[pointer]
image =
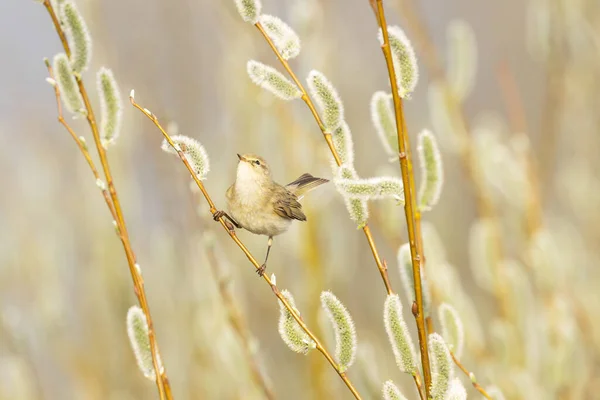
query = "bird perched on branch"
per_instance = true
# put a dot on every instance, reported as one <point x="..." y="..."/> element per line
<point x="262" y="206"/>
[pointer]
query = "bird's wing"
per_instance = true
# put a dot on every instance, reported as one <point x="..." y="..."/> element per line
<point x="304" y="184"/>
<point x="286" y="204"/>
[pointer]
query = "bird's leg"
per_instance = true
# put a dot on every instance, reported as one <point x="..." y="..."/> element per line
<point x="261" y="270"/>
<point x="219" y="214"/>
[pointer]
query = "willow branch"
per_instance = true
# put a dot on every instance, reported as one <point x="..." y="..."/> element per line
<point x="239" y="325"/>
<point x="485" y="207"/>
<point x="230" y="230"/>
<point x="162" y="381"/>
<point x="306" y="98"/>
<point x="419" y="384"/>
<point x="80" y="144"/>
<point x="470" y="375"/>
<point x="411" y="210"/>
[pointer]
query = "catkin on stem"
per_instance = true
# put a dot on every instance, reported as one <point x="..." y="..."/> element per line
<point x="404" y="60"/>
<point x="372" y="188"/>
<point x="345" y="333"/>
<point x="357" y="208"/>
<point x="78" y="36"/>
<point x="272" y="81"/>
<point x="452" y="328"/>
<point x="137" y="330"/>
<point x="328" y="99"/>
<point x="285" y="39"/>
<point x="391" y="391"/>
<point x="456" y="391"/>
<point x="290" y="331"/>
<point x="69" y="91"/>
<point x="382" y="115"/>
<point x="441" y="367"/>
<point x="343" y="144"/>
<point x="432" y="171"/>
<point x="110" y="105"/>
<point x="397" y="331"/>
<point x="194" y="153"/>
<point x="249" y="10"/>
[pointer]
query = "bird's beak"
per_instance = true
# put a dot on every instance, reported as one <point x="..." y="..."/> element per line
<point x="242" y="158"/>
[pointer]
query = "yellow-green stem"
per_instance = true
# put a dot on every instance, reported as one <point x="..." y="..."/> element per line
<point x="306" y="98"/>
<point x="410" y="207"/>
<point x="255" y="263"/>
<point x="162" y="381"/>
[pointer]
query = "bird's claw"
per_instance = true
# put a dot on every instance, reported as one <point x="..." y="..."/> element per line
<point x="218" y="214"/>
<point x="261" y="270"/>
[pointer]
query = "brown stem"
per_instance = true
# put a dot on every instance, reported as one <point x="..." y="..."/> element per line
<point x="80" y="144"/>
<point x="419" y="384"/>
<point x="249" y="255"/>
<point x="239" y="325"/>
<point x="306" y="98"/>
<point x="470" y="376"/>
<point x="410" y="207"/>
<point x="162" y="381"/>
<point x="485" y="207"/>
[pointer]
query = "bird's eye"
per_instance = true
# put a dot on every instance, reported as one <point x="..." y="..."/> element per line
<point x="256" y="162"/>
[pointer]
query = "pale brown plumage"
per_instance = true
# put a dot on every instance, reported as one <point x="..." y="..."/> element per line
<point x="262" y="206"/>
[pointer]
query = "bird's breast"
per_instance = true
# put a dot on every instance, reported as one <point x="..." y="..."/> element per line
<point x="255" y="213"/>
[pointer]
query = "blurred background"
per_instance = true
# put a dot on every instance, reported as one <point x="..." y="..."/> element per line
<point x="513" y="243"/>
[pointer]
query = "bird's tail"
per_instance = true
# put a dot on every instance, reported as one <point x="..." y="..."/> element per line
<point x="304" y="184"/>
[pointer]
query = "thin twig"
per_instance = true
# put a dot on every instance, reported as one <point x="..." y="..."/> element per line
<point x="80" y="144"/>
<point x="229" y="229"/>
<point x="306" y="98"/>
<point x="410" y="207"/>
<point x="162" y="381"/>
<point x="419" y="384"/>
<point x="238" y="323"/>
<point x="470" y="376"/>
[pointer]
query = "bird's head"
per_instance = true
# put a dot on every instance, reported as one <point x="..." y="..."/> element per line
<point x="253" y="168"/>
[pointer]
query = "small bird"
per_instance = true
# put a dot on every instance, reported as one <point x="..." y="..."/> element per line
<point x="262" y="206"/>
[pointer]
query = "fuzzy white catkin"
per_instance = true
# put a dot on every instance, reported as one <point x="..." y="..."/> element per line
<point x="397" y="331"/>
<point x="441" y="367"/>
<point x="67" y="86"/>
<point x="249" y="10"/>
<point x="345" y="333"/>
<point x="283" y="36"/>
<point x="432" y="170"/>
<point x="462" y="58"/>
<point x="78" y="36"/>
<point x="404" y="60"/>
<point x="357" y="208"/>
<point x="111" y="106"/>
<point x="452" y="328"/>
<point x="290" y="331"/>
<point x="272" y="81"/>
<point x="495" y="393"/>
<point x="456" y="391"/>
<point x="327" y="99"/>
<point x="384" y="120"/>
<point x="194" y="153"/>
<point x="343" y="144"/>
<point x="372" y="188"/>
<point x="391" y="391"/>
<point x="137" y="330"/>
